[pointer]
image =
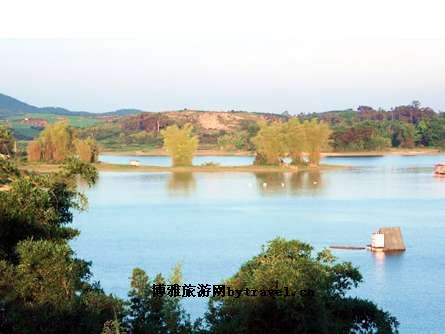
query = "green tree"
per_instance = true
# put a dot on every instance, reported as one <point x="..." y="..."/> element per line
<point x="150" y="313"/>
<point x="292" y="264"/>
<point x="180" y="144"/>
<point x="403" y="134"/>
<point x="317" y="138"/>
<point x="43" y="287"/>
<point x="233" y="141"/>
<point x="295" y="136"/>
<point x="56" y="142"/>
<point x="7" y="142"/>
<point x="269" y="143"/>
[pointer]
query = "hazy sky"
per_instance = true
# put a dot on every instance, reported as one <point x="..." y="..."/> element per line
<point x="244" y="55"/>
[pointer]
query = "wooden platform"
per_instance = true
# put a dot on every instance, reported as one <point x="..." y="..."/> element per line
<point x="393" y="239"/>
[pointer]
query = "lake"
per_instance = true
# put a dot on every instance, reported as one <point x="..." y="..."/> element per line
<point x="213" y="222"/>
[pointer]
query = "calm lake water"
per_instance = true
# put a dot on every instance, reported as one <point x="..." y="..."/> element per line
<point x="212" y="222"/>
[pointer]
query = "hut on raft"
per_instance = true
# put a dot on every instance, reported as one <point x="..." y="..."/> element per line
<point x="387" y="239"/>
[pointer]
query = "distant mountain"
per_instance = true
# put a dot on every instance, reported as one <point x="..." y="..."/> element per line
<point x="10" y="106"/>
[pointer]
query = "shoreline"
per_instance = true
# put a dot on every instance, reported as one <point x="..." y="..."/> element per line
<point x="106" y="167"/>
<point x="402" y="152"/>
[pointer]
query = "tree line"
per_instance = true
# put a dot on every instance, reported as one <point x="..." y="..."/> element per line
<point x="273" y="142"/>
<point x="58" y="141"/>
<point x="405" y="126"/>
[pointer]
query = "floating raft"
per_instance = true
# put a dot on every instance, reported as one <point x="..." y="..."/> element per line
<point x="387" y="239"/>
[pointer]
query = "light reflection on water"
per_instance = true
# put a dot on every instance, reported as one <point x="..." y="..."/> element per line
<point x="213" y="222"/>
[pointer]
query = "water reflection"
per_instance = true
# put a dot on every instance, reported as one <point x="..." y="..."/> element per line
<point x="385" y="264"/>
<point x="181" y="183"/>
<point x="271" y="182"/>
<point x="289" y="183"/>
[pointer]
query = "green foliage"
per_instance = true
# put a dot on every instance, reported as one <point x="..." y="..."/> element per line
<point x="234" y="141"/>
<point x="317" y="139"/>
<point x="39" y="206"/>
<point x="402" y="134"/>
<point x="43" y="287"/>
<point x="73" y="167"/>
<point x="292" y="264"/>
<point x="8" y="171"/>
<point x="56" y="142"/>
<point x="362" y="136"/>
<point x="59" y="141"/>
<point x="7" y="142"/>
<point x="180" y="144"/>
<point x="155" y="314"/>
<point x="113" y="327"/>
<point x="276" y="140"/>
<point x="295" y="137"/>
<point x="269" y="143"/>
<point x="47" y="273"/>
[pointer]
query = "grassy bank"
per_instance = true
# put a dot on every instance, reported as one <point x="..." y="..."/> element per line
<point x="105" y="167"/>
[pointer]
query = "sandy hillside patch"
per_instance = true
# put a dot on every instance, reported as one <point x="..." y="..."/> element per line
<point x="212" y="121"/>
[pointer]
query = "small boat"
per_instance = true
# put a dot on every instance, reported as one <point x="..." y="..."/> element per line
<point x="134" y="162"/>
<point x="439" y="169"/>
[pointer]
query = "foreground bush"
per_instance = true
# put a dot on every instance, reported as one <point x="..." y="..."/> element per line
<point x="292" y="264"/>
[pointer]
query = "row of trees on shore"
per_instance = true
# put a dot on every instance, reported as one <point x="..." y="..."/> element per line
<point x="273" y="142"/>
<point x="59" y="141"/>
<point x="364" y="129"/>
<point x="277" y="140"/>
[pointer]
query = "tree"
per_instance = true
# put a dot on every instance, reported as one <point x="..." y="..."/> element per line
<point x="292" y="264"/>
<point x="317" y="138"/>
<point x="43" y="287"/>
<point x="34" y="151"/>
<point x="152" y="313"/>
<point x="87" y="149"/>
<point x="56" y="142"/>
<point x="180" y="144"/>
<point x="403" y="134"/>
<point x="269" y="143"/>
<point x="295" y="137"/>
<point x="234" y="141"/>
<point x="7" y="143"/>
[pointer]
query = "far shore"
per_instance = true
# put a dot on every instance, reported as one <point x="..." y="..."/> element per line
<point x="398" y="151"/>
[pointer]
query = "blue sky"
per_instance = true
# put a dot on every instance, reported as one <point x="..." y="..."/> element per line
<point x="256" y="56"/>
